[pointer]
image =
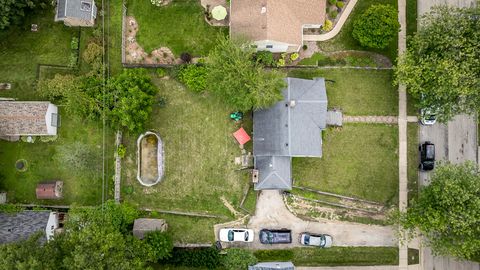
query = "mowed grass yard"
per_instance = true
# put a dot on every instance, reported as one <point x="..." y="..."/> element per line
<point x="82" y="185"/>
<point x="199" y="155"/>
<point x="22" y="50"/>
<point x="179" y="26"/>
<point x="357" y="92"/>
<point x="359" y="160"/>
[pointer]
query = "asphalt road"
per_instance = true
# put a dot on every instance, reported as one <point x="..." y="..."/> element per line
<point x="456" y="142"/>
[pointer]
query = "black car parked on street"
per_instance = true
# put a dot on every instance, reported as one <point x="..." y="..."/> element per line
<point x="427" y="156"/>
<point x="282" y="236"/>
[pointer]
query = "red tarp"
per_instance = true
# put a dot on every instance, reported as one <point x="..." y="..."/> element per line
<point x="241" y="136"/>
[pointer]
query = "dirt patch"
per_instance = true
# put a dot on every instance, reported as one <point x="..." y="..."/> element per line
<point x="314" y="211"/>
<point x="135" y="54"/>
<point x="230" y="206"/>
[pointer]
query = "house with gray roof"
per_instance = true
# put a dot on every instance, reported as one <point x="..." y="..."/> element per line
<point x="291" y="128"/>
<point x="20" y="226"/>
<point x="76" y="12"/>
<point x="28" y="118"/>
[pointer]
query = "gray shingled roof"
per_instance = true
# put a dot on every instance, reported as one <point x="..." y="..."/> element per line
<point x="81" y="9"/>
<point x="19" y="226"/>
<point x="272" y="266"/>
<point x="285" y="130"/>
<point x="291" y="128"/>
<point x="274" y="172"/>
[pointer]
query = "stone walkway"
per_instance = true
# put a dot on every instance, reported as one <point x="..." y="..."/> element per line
<point x="376" y="119"/>
<point x="336" y="29"/>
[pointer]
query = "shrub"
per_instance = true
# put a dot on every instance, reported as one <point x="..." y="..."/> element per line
<point x="72" y="62"/>
<point x="281" y="62"/>
<point x="195" y="257"/>
<point x="304" y="47"/>
<point x="333" y="14"/>
<point x="161" y="245"/>
<point x="332" y="2"/>
<point x="294" y="56"/>
<point x="74" y="43"/>
<point x="265" y="58"/>
<point x="327" y="26"/>
<point x="48" y="138"/>
<point x="57" y="87"/>
<point x="377" y="27"/>
<point x="340" y="4"/>
<point x="156" y="2"/>
<point x="160" y="72"/>
<point x="186" y="57"/>
<point x="194" y="77"/>
<point x="121" y="151"/>
<point x="92" y="53"/>
<point x="238" y="259"/>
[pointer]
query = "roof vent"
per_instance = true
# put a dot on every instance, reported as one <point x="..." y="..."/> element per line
<point x="85" y="6"/>
<point x="292" y="103"/>
<point x="263" y="10"/>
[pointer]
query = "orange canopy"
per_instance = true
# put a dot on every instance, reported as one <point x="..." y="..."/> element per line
<point x="241" y="136"/>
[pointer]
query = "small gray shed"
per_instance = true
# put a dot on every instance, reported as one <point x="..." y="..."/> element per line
<point x="142" y="226"/>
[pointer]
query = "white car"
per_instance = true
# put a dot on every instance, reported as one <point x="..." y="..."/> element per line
<point x="236" y="235"/>
<point x="317" y="240"/>
<point x="427" y="117"/>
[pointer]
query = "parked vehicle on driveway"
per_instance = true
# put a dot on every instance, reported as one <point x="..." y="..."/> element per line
<point x="427" y="156"/>
<point x="236" y="235"/>
<point x="282" y="236"/>
<point x="427" y="117"/>
<point x="316" y="240"/>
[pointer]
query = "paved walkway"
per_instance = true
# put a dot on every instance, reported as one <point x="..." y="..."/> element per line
<point x="338" y="26"/>
<point x="272" y="213"/>
<point x="376" y="119"/>
<point x="402" y="132"/>
<point x="378" y="267"/>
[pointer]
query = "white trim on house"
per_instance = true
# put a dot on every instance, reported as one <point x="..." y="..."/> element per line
<point x="52" y="109"/>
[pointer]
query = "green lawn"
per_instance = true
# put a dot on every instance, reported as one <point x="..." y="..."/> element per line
<point x="359" y="160"/>
<point x="345" y="41"/>
<point x="22" y="50"/>
<point x="357" y="92"/>
<point x="413" y="159"/>
<point x="184" y="229"/>
<point x="335" y="256"/>
<point x="199" y="154"/>
<point x="81" y="186"/>
<point x="114" y="34"/>
<point x="179" y="26"/>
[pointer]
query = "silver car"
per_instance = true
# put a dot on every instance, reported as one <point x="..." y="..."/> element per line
<point x="316" y="240"/>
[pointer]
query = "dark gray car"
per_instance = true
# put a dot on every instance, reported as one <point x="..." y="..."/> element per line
<point x="275" y="236"/>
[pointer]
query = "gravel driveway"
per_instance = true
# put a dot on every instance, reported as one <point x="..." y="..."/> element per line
<point x="272" y="213"/>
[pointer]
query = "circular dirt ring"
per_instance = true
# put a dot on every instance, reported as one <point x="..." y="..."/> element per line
<point x="21" y="165"/>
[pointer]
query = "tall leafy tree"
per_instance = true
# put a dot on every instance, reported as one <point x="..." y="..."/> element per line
<point x="13" y="11"/>
<point x="377" y="27"/>
<point x="133" y="94"/>
<point x="447" y="211"/>
<point x="233" y="76"/>
<point x="441" y="66"/>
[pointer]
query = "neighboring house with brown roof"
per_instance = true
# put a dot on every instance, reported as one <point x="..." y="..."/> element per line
<point x="49" y="190"/>
<point x="275" y="25"/>
<point x="28" y="118"/>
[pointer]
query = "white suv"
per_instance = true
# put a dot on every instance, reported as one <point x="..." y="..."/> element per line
<point x="236" y="235"/>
